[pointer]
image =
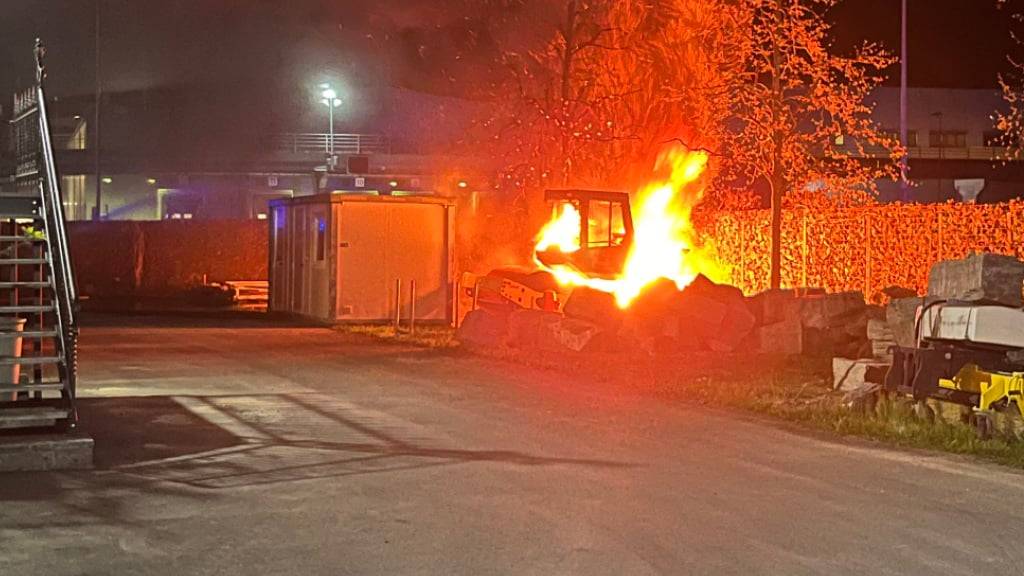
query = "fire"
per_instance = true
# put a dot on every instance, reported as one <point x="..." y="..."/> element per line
<point x="664" y="240"/>
<point x="562" y="233"/>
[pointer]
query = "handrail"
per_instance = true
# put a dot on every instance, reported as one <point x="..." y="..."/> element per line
<point x="990" y="153"/>
<point x="56" y="235"/>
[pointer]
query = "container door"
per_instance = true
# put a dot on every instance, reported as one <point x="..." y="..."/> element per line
<point x="417" y="251"/>
<point x="298" y="263"/>
<point x="365" y="284"/>
<point x="279" y="259"/>
<point x="319" y="257"/>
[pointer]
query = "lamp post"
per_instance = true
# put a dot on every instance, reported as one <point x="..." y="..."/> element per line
<point x="942" y="146"/>
<point x="329" y="98"/>
<point x="904" y="160"/>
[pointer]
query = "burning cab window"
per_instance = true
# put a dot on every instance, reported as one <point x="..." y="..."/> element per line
<point x="605" y="224"/>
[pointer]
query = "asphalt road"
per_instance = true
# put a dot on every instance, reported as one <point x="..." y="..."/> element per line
<point x="252" y="450"/>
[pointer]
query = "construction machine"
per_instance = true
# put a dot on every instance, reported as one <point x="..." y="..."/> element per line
<point x="969" y="354"/>
<point x="603" y="237"/>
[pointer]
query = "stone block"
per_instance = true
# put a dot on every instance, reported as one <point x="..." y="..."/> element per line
<point x="831" y="309"/>
<point x="736" y="322"/>
<point x="990" y="278"/>
<point x="786" y="337"/>
<point x="549" y="331"/>
<point x="901" y="315"/>
<point x="484" y="328"/>
<point x="849" y="374"/>
<point x="879" y="330"/>
<point x="593" y="306"/>
<point x="773" y="306"/>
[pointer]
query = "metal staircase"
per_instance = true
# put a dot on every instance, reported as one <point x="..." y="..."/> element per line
<point x="38" y="332"/>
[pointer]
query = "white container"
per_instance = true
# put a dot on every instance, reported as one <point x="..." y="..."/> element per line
<point x="10" y="347"/>
<point x="981" y="324"/>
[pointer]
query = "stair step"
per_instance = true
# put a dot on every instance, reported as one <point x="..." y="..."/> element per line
<point x="25" y="284"/>
<point x="32" y="387"/>
<point x="26" y="308"/>
<point x="27" y="334"/>
<point x="23" y="260"/>
<point x="21" y="239"/>
<point x="11" y="417"/>
<point x="30" y="360"/>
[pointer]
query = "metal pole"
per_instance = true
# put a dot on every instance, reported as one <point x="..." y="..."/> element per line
<point x="904" y="161"/>
<point x="398" y="303"/>
<point x="330" y="131"/>
<point x="96" y="118"/>
<point x="412" y="307"/>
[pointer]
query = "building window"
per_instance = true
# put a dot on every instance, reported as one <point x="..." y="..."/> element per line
<point x="947" y="139"/>
<point x="840" y="140"/>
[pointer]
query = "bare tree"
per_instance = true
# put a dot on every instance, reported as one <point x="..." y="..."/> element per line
<point x="801" y="115"/>
<point x="1010" y="122"/>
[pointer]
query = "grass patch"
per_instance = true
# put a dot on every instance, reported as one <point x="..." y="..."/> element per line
<point x="426" y="336"/>
<point x="801" y="394"/>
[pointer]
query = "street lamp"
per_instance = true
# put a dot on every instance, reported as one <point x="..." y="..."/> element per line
<point x="329" y="98"/>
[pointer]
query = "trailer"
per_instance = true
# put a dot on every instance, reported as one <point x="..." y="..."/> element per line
<point x="361" y="258"/>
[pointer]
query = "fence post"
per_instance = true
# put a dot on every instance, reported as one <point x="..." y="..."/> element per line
<point x="803" y="219"/>
<point x="743" y="251"/>
<point x="941" y="234"/>
<point x="412" y="306"/>
<point x="867" y="255"/>
<point x="398" y="303"/>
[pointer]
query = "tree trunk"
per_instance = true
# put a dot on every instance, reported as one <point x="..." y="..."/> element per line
<point x="778" y="184"/>
<point x="778" y="179"/>
<point x="569" y="34"/>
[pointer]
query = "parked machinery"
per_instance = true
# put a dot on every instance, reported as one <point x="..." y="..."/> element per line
<point x="968" y="354"/>
<point x="604" y="235"/>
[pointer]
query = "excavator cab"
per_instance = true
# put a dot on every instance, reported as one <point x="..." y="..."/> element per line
<point x="605" y="231"/>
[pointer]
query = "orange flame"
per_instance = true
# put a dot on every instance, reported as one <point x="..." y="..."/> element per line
<point x="562" y="232"/>
<point x="664" y="240"/>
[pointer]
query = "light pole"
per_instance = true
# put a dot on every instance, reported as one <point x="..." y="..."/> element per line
<point x="329" y="98"/>
<point x="96" y="118"/>
<point x="904" y="161"/>
<point x="942" y="146"/>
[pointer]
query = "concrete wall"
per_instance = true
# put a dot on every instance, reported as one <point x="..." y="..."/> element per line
<point x="164" y="259"/>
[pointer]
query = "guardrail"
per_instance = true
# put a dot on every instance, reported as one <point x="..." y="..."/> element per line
<point x="990" y="153"/>
<point x="311" y="143"/>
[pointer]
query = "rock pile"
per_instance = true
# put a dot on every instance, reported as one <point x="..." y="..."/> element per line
<point x="704" y="316"/>
<point x="980" y="278"/>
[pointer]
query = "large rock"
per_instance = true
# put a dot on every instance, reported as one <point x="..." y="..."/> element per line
<point x="549" y="331"/>
<point x="593" y="306"/>
<point x="881" y="338"/>
<point x="901" y="315"/>
<point x="850" y="374"/>
<point x="736" y="323"/>
<point x="786" y="337"/>
<point x="778" y="305"/>
<point x="831" y="310"/>
<point x="484" y="328"/>
<point x="991" y="278"/>
<point x="698" y="319"/>
<point x="654" y="312"/>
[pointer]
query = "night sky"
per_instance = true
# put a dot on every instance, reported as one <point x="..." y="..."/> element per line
<point x="151" y="43"/>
